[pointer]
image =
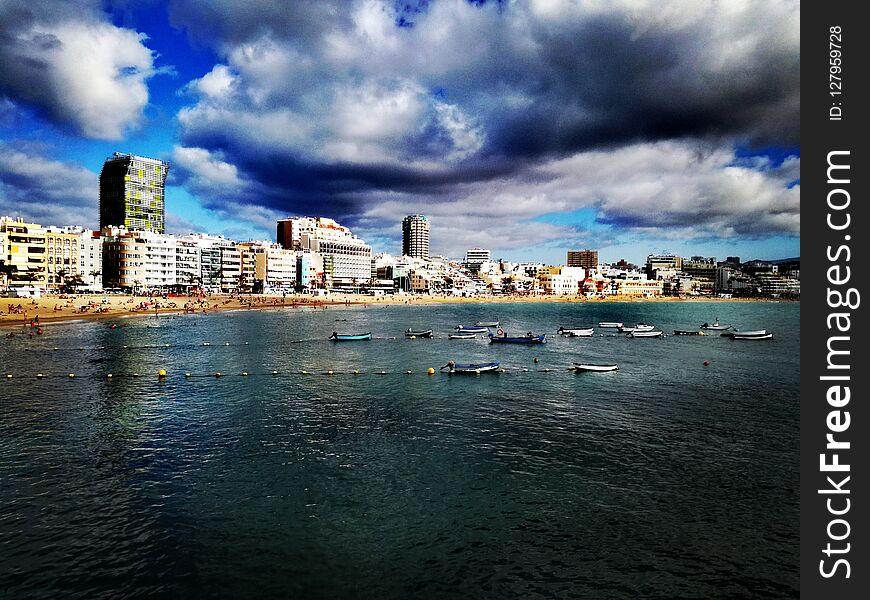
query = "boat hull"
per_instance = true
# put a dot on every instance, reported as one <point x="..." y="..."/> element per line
<point x="486" y="324"/>
<point x="645" y="334"/>
<point x="419" y="334"/>
<point x="607" y="325"/>
<point x="345" y="337"/>
<point x="472" y="329"/>
<point x="576" y="332"/>
<point x="593" y="368"/>
<point x="473" y="369"/>
<point x="462" y="336"/>
<point x="540" y="339"/>
<point x="761" y="336"/>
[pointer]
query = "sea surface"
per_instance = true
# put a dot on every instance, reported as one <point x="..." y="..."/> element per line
<point x="670" y="478"/>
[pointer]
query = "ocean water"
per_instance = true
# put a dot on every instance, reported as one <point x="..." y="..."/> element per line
<point x="666" y="479"/>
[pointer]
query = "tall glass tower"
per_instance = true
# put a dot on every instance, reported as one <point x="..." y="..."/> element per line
<point x="415" y="236"/>
<point x="132" y="192"/>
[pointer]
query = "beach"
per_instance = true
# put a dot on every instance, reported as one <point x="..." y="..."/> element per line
<point x="65" y="307"/>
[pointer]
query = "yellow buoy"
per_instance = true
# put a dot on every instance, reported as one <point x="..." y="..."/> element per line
<point x="355" y="372"/>
<point x="72" y="375"/>
<point x="430" y="371"/>
<point x="109" y="375"/>
<point x="9" y="376"/>
<point x="161" y="373"/>
<point x="304" y="372"/>
<point x="329" y="372"/>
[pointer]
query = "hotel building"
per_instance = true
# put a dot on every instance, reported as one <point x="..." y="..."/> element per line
<point x="132" y="192"/>
<point x="415" y="236"/>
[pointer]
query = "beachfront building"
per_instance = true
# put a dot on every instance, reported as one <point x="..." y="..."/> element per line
<point x="188" y="263"/>
<point x="347" y="260"/>
<point x="132" y="192"/>
<point x="139" y="260"/>
<point x="639" y="288"/>
<point x="475" y="257"/>
<point x="588" y="259"/>
<point x="74" y="258"/>
<point x="24" y="257"/>
<point x="561" y="280"/>
<point x="415" y="236"/>
<point x="662" y="266"/>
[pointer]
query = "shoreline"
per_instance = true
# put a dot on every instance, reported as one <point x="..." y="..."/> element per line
<point x="55" y="309"/>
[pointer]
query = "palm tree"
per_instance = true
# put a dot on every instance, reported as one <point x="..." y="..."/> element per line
<point x="94" y="274"/>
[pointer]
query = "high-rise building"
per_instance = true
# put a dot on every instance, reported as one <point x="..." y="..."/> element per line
<point x="588" y="259"/>
<point x="132" y="192"/>
<point x="415" y="236"/>
<point x="347" y="260"/>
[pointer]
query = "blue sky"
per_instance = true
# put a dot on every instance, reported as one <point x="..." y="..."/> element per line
<point x="530" y="128"/>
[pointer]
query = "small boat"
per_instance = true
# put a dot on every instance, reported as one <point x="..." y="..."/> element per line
<point x="761" y="334"/>
<point x="638" y="327"/>
<point x="421" y="334"/>
<point x="715" y="326"/>
<point x="526" y="339"/>
<point x="589" y="367"/>
<point x="688" y="332"/>
<point x="486" y="324"/>
<point x="576" y="332"/>
<point x="475" y="369"/>
<point x="610" y="325"/>
<point x="645" y="334"/>
<point x="462" y="336"/>
<point x="462" y="329"/>
<point x="350" y="337"/>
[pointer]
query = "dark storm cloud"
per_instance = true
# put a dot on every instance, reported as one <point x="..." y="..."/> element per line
<point x="346" y="106"/>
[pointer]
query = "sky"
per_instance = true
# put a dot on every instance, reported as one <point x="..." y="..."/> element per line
<point x="526" y="127"/>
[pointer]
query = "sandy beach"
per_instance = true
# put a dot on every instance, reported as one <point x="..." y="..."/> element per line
<point x="64" y="307"/>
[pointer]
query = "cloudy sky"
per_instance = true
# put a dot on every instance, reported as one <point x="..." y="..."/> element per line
<point x="528" y="127"/>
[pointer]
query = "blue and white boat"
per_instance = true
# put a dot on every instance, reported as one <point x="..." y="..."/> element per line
<point x="350" y="337"/>
<point x="474" y="369"/>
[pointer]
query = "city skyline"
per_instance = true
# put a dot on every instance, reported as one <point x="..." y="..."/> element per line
<point x="518" y="135"/>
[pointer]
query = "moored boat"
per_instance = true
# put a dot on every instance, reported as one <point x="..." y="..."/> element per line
<point x="760" y="334"/>
<point x="474" y="369"/>
<point x="591" y="367"/>
<point x="572" y="332"/>
<point x="610" y="325"/>
<point x="462" y="329"/>
<point x="349" y="337"/>
<point x="421" y="334"/>
<point x="645" y="334"/>
<point x="715" y="326"/>
<point x="462" y="336"/>
<point x="486" y="324"/>
<point x="526" y="339"/>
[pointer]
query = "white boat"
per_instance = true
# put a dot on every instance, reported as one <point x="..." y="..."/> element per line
<point x="644" y="327"/>
<point x="610" y="325"/>
<point x="486" y="324"/>
<point x="462" y="336"/>
<point x="589" y="367"/>
<point x="645" y="334"/>
<point x="462" y="329"/>
<point x="576" y="332"/>
<point x="715" y="326"/>
<point x="475" y="369"/>
<point x="761" y="334"/>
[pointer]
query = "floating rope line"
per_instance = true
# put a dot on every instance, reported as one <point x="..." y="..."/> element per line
<point x="163" y="374"/>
